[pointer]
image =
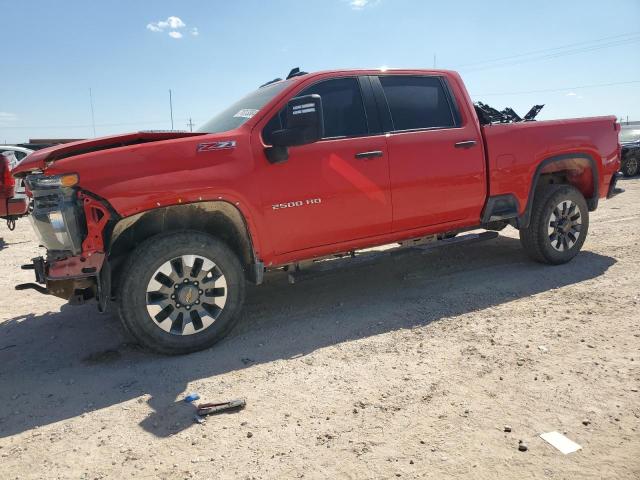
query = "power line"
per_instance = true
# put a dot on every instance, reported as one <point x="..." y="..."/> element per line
<point x="559" y="89"/>
<point x="171" y="108"/>
<point x="93" y="119"/>
<point x="553" y="55"/>
<point x="535" y="52"/>
<point x="122" y="124"/>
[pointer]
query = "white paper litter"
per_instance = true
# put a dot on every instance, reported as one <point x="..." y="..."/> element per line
<point x="561" y="442"/>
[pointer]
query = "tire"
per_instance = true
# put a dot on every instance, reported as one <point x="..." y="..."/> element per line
<point x="181" y="292"/>
<point x="631" y="167"/>
<point x="559" y="225"/>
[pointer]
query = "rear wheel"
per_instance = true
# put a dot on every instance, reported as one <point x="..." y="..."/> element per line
<point x="559" y="225"/>
<point x="181" y="292"/>
<point x="631" y="167"/>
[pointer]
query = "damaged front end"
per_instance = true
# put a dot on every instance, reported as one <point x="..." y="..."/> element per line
<point x="71" y="224"/>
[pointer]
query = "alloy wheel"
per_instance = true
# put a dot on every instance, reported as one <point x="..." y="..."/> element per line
<point x="186" y="294"/>
<point x="564" y="225"/>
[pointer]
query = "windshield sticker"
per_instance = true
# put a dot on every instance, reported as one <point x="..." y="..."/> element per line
<point x="246" y="113"/>
<point x="224" y="145"/>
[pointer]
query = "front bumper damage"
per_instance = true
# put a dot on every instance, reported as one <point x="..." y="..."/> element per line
<point x="71" y="224"/>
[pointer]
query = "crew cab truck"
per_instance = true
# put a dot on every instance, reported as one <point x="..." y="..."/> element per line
<point x="172" y="225"/>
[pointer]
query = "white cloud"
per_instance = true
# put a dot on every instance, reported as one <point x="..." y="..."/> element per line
<point x="173" y="24"/>
<point x="360" y="4"/>
<point x="6" y="117"/>
<point x="572" y="94"/>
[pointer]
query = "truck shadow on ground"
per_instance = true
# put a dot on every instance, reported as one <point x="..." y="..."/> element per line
<point x="4" y="244"/>
<point x="75" y="361"/>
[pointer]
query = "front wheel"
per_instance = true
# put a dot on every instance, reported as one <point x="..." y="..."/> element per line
<point x="181" y="292"/>
<point x="559" y="225"/>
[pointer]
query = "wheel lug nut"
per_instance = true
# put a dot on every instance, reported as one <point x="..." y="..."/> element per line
<point x="197" y="302"/>
<point x="185" y="281"/>
<point x="173" y="297"/>
<point x="195" y="283"/>
<point x="178" y="305"/>
<point x="188" y="307"/>
<point x="200" y="292"/>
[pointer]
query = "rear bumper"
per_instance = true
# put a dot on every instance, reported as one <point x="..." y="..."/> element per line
<point x="613" y="189"/>
<point x="13" y="207"/>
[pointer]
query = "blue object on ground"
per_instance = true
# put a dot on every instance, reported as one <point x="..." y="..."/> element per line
<point x="192" y="397"/>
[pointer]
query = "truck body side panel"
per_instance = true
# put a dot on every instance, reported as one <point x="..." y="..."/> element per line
<point x="516" y="150"/>
<point x="173" y="173"/>
<point x="140" y="172"/>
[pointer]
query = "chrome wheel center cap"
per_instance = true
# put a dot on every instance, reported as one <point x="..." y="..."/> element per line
<point x="188" y="294"/>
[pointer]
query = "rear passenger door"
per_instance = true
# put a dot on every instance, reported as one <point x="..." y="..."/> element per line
<point x="436" y="161"/>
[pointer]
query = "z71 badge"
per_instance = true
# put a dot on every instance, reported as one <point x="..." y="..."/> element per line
<point x="222" y="145"/>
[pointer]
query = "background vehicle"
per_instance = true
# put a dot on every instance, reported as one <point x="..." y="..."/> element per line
<point x="12" y="203"/>
<point x="171" y="224"/>
<point x="630" y="160"/>
<point x="19" y="152"/>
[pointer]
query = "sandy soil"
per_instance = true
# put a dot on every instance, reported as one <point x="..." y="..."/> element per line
<point x="409" y="367"/>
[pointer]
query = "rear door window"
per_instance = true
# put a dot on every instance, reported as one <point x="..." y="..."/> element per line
<point x="417" y="102"/>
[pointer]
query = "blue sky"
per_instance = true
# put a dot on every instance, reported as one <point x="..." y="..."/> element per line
<point x="52" y="52"/>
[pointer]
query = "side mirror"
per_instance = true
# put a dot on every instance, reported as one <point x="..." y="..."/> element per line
<point x="305" y="125"/>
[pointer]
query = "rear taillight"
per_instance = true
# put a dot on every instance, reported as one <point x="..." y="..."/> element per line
<point x="7" y="178"/>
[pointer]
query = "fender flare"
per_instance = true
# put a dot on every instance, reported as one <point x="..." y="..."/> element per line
<point x="170" y="219"/>
<point x="592" y="203"/>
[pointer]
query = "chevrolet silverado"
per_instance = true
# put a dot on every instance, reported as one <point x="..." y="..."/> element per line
<point x="171" y="225"/>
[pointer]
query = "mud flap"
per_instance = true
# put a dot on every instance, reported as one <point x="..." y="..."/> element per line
<point x="103" y="281"/>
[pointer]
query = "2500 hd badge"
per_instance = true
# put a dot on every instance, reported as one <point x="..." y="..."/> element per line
<point x="297" y="203"/>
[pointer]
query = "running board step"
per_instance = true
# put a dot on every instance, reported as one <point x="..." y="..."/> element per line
<point x="367" y="257"/>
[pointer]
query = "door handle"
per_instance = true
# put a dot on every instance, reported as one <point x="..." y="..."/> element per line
<point x="373" y="154"/>
<point x="465" y="144"/>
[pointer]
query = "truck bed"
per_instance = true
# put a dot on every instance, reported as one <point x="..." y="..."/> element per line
<point x="516" y="150"/>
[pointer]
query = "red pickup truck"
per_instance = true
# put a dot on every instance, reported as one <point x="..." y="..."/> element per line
<point x="171" y="225"/>
<point x="12" y="206"/>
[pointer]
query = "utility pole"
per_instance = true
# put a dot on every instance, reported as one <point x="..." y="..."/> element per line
<point x="93" y="120"/>
<point x="190" y="125"/>
<point x="171" y="108"/>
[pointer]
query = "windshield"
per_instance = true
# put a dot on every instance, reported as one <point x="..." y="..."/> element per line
<point x="629" y="134"/>
<point x="241" y="111"/>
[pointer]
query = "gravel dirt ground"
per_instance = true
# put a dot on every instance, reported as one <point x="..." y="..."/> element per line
<point x="409" y="367"/>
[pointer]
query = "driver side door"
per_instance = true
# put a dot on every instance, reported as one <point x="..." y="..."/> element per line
<point x="334" y="190"/>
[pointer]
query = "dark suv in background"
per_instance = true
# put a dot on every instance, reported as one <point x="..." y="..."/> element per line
<point x="630" y="158"/>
